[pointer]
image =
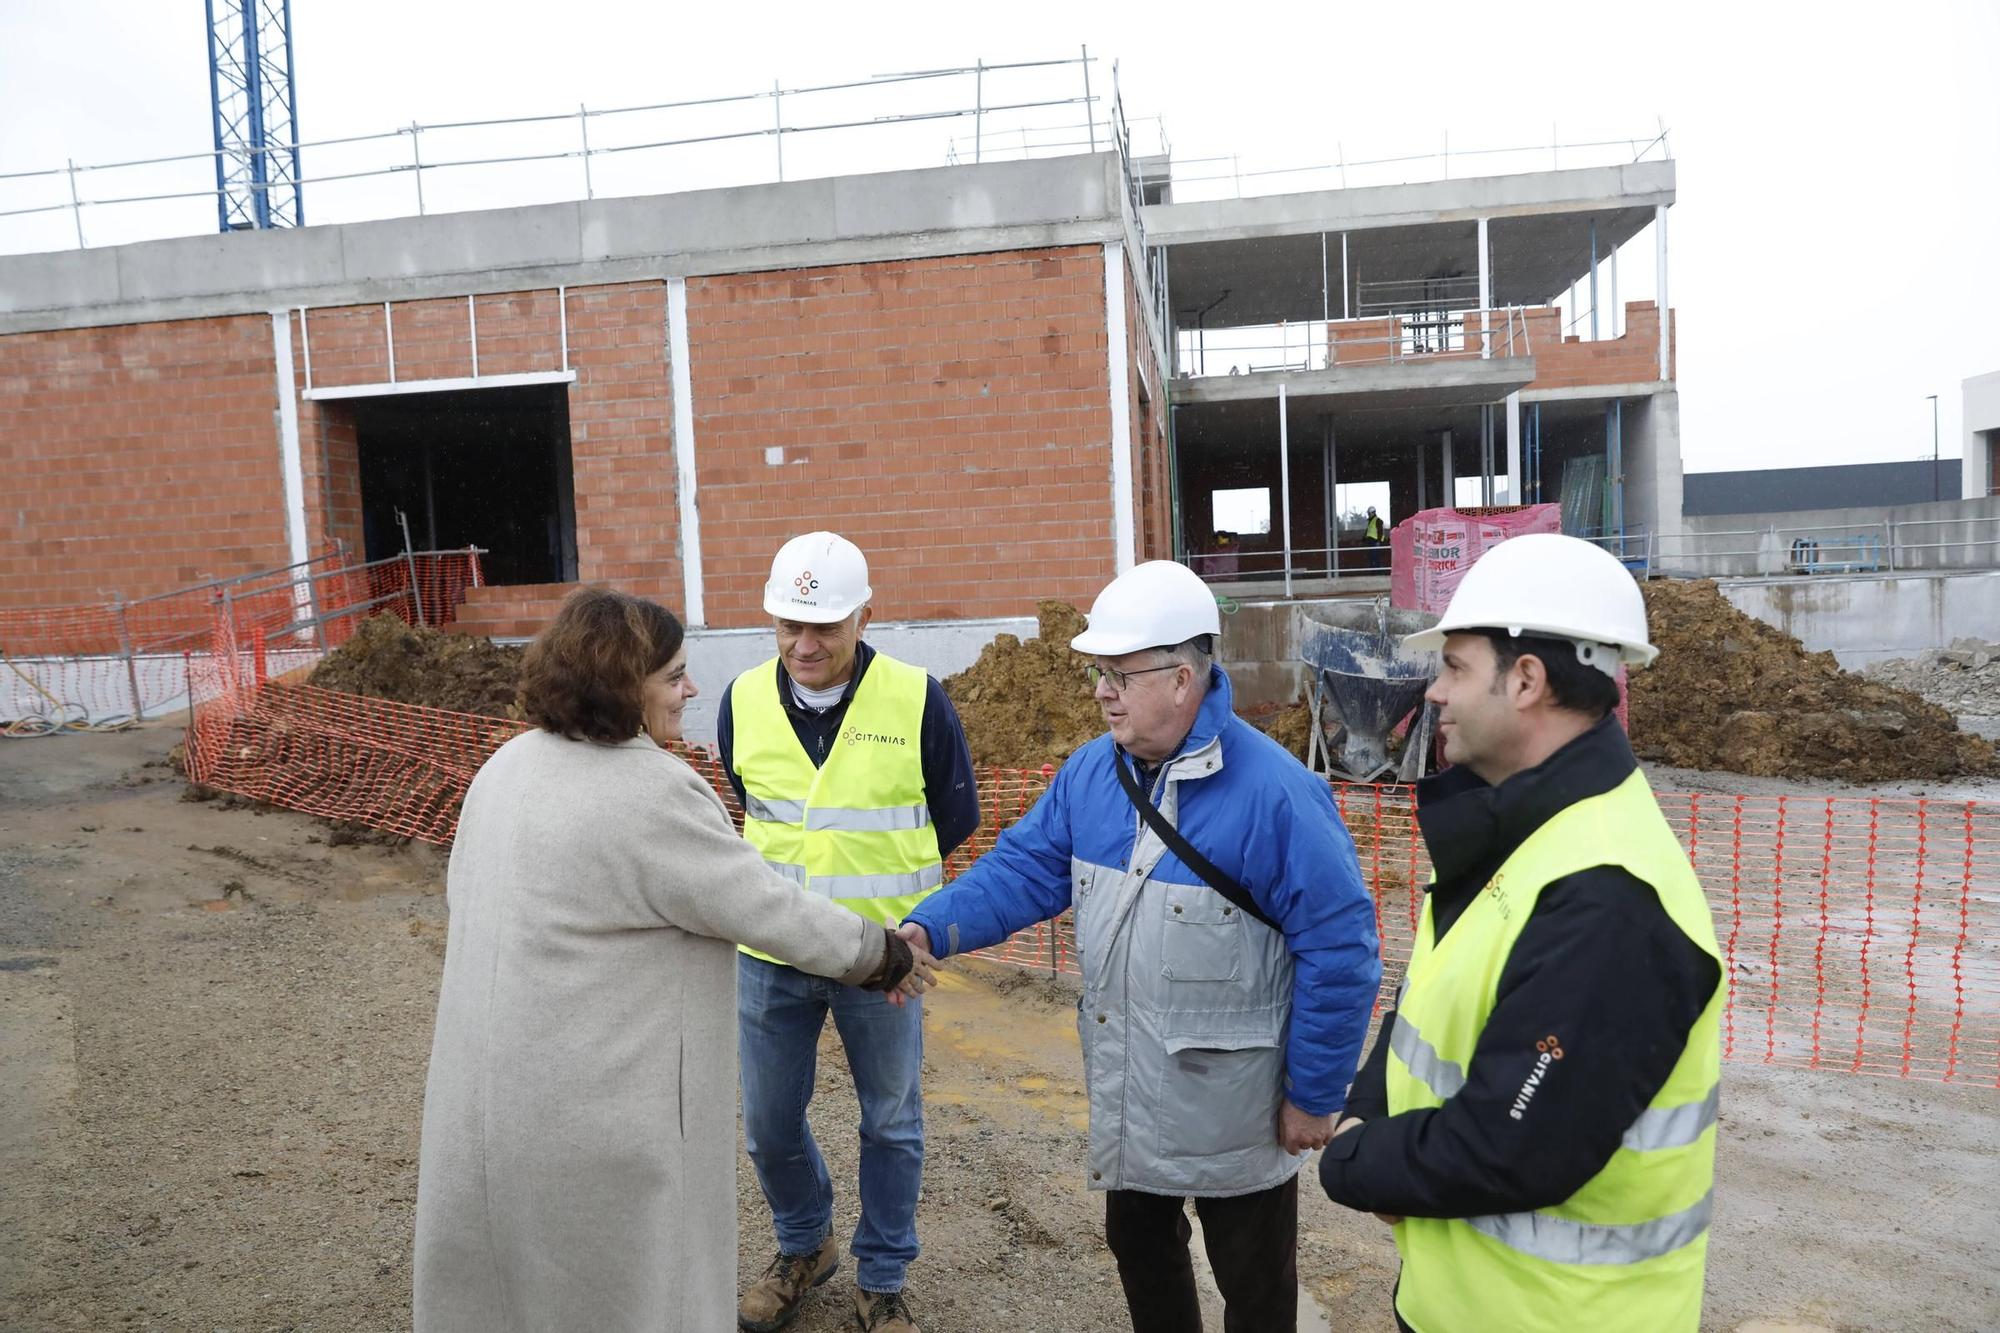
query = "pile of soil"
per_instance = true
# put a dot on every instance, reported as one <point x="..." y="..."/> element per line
<point x="1025" y="702"/>
<point x="1730" y="692"/>
<point x="390" y="659"/>
<point x="1290" y="725"/>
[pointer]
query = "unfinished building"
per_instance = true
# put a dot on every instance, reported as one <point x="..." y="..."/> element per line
<point x="1458" y="342"/>
<point x="973" y="370"/>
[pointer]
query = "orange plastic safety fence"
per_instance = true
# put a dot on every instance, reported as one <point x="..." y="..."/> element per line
<point x="88" y="667"/>
<point x="1859" y="934"/>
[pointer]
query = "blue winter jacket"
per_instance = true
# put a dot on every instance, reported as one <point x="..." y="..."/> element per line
<point x="1196" y="1020"/>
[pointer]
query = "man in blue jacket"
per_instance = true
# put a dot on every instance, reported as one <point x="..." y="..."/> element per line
<point x="1222" y="1011"/>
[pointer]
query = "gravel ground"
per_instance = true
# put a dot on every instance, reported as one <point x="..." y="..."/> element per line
<point x="213" y="1028"/>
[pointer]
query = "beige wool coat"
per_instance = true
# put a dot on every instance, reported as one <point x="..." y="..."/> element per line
<point x="578" y="1164"/>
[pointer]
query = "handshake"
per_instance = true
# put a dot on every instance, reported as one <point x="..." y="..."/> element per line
<point x="908" y="969"/>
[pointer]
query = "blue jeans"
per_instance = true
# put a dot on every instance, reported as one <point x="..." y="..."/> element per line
<point x="780" y="1012"/>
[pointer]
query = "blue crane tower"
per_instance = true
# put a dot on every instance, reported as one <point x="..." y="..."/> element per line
<point x="256" y="115"/>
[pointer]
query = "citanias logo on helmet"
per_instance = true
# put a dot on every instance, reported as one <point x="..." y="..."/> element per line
<point x="805" y="582"/>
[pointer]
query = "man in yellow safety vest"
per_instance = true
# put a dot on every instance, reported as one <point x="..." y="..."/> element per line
<point x="855" y="781"/>
<point x="1538" y="1117"/>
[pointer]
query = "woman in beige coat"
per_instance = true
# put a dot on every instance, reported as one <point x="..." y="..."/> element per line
<point x="578" y="1165"/>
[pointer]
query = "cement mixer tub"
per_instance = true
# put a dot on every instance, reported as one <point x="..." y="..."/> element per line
<point x="1365" y="682"/>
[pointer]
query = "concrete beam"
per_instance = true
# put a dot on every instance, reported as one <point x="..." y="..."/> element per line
<point x="1588" y="189"/>
<point x="1586" y="392"/>
<point x="1426" y="383"/>
<point x="935" y="211"/>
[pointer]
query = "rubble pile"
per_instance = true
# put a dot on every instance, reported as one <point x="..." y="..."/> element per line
<point x="1963" y="679"/>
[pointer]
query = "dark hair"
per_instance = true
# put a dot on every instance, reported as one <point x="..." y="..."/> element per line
<point x="583" y="676"/>
<point x="1572" y="684"/>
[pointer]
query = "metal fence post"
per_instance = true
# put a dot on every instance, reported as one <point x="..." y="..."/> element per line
<point x="583" y="128"/>
<point x="778" y="125"/>
<point x="225" y="640"/>
<point x="410" y="563"/>
<point x="75" y="205"/>
<point x="979" y="106"/>
<point x="417" y="158"/>
<point x="1089" y="107"/>
<point x="125" y="651"/>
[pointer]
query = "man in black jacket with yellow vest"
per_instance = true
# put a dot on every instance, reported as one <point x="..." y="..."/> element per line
<point x="1537" y="1119"/>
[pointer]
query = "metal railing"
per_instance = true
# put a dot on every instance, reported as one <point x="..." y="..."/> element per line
<point x="1224" y="176"/>
<point x="585" y="137"/>
<point x="1356" y="558"/>
<point x="1881" y="546"/>
<point x="1454" y="335"/>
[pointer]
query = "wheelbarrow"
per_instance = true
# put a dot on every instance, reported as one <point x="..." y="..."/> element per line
<point x="1364" y="684"/>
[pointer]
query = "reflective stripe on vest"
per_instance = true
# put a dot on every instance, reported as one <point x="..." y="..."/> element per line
<point x="1662" y="1127"/>
<point x="1561" y="1241"/>
<point x="1625" y="1253"/>
<point x="840" y="887"/>
<point x="1435" y="1072"/>
<point x="833" y="817"/>
<point x="855" y="828"/>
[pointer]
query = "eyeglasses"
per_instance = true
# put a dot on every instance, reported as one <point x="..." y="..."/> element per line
<point x="1120" y="680"/>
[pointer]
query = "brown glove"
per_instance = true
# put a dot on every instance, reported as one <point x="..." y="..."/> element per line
<point x="896" y="964"/>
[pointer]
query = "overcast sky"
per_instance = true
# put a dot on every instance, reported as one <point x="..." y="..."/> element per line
<point x="1835" y="247"/>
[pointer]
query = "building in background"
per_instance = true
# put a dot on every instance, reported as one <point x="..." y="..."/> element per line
<point x="1981" y="463"/>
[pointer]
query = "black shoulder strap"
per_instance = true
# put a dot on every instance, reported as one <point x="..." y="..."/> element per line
<point x="1180" y="847"/>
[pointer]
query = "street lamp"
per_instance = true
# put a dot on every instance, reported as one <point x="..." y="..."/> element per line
<point x="1934" y="445"/>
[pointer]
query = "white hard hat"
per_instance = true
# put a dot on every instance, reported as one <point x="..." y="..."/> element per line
<point x="1155" y="605"/>
<point x="1559" y="587"/>
<point x="820" y="578"/>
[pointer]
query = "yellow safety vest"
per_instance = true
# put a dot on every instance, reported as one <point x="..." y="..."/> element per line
<point x="856" y="829"/>
<point x="1625" y="1253"/>
<point x="1374" y="532"/>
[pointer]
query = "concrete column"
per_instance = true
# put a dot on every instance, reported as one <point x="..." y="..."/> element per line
<point x="681" y="381"/>
<point x="1617" y="311"/>
<point x="1450" y="496"/>
<point x="1332" y="523"/>
<point x="1485" y="293"/>
<point x="291" y="461"/>
<point x="1124" y="530"/>
<point x="1660" y="286"/>
<point x="1285" y="483"/>
<point x="1593" y="279"/>
<point x="1516" y="493"/>
<point x="1346" y="286"/>
<point x="1486" y="453"/>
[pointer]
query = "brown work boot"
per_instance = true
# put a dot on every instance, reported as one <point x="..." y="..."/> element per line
<point x="776" y="1297"/>
<point x="883" y="1312"/>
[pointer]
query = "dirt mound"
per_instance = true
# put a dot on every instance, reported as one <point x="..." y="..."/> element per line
<point x="1730" y="692"/>
<point x="389" y="659"/>
<point x="1025" y="702"/>
<point x="1290" y="725"/>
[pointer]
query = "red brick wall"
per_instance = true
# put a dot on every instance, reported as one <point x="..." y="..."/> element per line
<point x="1151" y="485"/>
<point x="621" y="450"/>
<point x="138" y="459"/>
<point x="951" y="416"/>
<point x="1631" y="358"/>
<point x="621" y="440"/>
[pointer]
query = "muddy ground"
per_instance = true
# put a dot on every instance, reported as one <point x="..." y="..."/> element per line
<point x="213" y="1028"/>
